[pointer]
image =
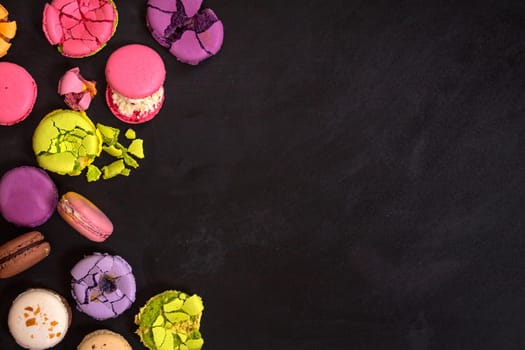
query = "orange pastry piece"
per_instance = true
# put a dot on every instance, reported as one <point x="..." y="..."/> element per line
<point x="7" y="31"/>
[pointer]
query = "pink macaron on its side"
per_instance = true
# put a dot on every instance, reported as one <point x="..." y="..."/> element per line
<point x="86" y="218"/>
<point x="135" y="77"/>
<point x="18" y="93"/>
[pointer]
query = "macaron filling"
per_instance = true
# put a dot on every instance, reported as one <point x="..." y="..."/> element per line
<point x="141" y="106"/>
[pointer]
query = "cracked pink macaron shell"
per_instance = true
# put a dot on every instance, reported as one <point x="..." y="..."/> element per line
<point x="18" y="93"/>
<point x="85" y="217"/>
<point x="79" y="28"/>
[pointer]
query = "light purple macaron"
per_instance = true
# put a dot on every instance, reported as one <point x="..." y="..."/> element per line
<point x="28" y="196"/>
<point x="103" y="285"/>
<point x="191" y="35"/>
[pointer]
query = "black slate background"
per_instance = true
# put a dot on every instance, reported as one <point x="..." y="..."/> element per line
<point x="342" y="175"/>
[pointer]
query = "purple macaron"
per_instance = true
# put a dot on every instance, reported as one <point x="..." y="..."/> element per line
<point x="103" y="286"/>
<point x="28" y="196"/>
<point x="191" y="35"/>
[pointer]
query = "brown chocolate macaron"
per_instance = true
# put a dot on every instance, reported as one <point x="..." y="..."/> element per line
<point x="22" y="252"/>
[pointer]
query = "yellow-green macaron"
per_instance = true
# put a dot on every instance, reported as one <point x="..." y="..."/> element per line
<point x="66" y="141"/>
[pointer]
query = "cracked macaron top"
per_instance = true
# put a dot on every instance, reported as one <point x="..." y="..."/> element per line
<point x="7" y="31"/>
<point x="171" y="321"/>
<point x="80" y="28"/>
<point x="190" y="35"/>
<point x="66" y="141"/>
<point x="18" y="93"/>
<point x="103" y="285"/>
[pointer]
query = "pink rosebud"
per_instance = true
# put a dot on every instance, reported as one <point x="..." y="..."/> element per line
<point x="77" y="91"/>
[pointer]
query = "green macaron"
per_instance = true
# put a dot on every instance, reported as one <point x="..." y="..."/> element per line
<point x="66" y="141"/>
<point x="171" y="321"/>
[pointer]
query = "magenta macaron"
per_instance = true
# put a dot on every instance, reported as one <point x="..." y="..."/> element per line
<point x="135" y="77"/>
<point x="86" y="218"/>
<point x="191" y="35"/>
<point x="18" y="93"/>
<point x="28" y="196"/>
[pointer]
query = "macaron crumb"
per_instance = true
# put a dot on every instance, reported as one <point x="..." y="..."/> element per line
<point x="125" y="155"/>
<point x="136" y="148"/>
<point x="93" y="173"/>
<point x="130" y="134"/>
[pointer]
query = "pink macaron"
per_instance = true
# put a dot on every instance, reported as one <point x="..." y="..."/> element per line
<point x="135" y="75"/>
<point x="84" y="217"/>
<point x="17" y="93"/>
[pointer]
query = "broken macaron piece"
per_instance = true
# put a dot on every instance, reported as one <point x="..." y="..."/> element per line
<point x="77" y="91"/>
<point x="103" y="285"/>
<point x="7" y="31"/>
<point x="79" y="28"/>
<point x="135" y="77"/>
<point x="85" y="217"/>
<point x="190" y="35"/>
<point x="66" y="141"/>
<point x="18" y="92"/>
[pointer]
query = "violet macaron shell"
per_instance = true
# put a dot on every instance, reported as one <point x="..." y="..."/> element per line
<point x="28" y="196"/>
<point x="135" y="71"/>
<point x="18" y="93"/>
<point x="86" y="218"/>
<point x="191" y="35"/>
<point x="103" y="286"/>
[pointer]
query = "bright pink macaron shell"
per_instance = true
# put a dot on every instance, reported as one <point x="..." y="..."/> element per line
<point x="135" y="71"/>
<point x="18" y="93"/>
<point x="28" y="196"/>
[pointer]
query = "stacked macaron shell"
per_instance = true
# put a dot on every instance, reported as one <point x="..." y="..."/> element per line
<point x="85" y="217"/>
<point x="7" y="31"/>
<point x="103" y="286"/>
<point x="28" y="196"/>
<point x="22" y="252"/>
<point x="79" y="28"/>
<point x="191" y="35"/>
<point x="18" y="93"/>
<point x="39" y="319"/>
<point x="135" y="75"/>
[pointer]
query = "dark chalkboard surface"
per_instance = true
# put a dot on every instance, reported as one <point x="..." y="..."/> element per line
<point x="342" y="175"/>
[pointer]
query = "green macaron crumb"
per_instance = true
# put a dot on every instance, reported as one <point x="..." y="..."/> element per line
<point x="109" y="134"/>
<point x="112" y="150"/>
<point x="171" y="321"/>
<point x="130" y="134"/>
<point x="93" y="173"/>
<point x="136" y="148"/>
<point x="125" y="155"/>
<point x="113" y="169"/>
